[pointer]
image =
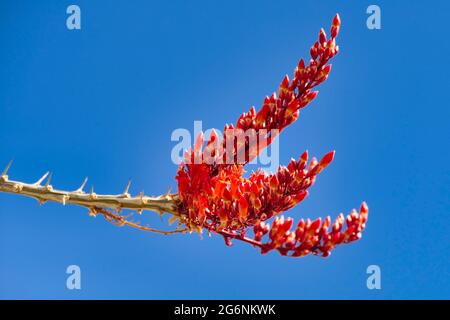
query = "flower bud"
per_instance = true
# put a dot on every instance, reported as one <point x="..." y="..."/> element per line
<point x="243" y="209"/>
<point x="274" y="183"/>
<point x="322" y="36"/>
<point x="335" y="26"/>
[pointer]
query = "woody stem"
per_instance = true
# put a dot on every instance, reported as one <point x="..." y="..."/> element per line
<point x="238" y="236"/>
<point x="43" y="193"/>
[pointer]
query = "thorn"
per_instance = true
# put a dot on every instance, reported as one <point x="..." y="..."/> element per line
<point x="169" y="191"/>
<point x="142" y="198"/>
<point x="7" y="168"/>
<point x="92" y="193"/>
<point x="92" y="212"/>
<point x="65" y="198"/>
<point x="80" y="189"/>
<point x="47" y="184"/>
<point x="38" y="183"/>
<point x="127" y="188"/>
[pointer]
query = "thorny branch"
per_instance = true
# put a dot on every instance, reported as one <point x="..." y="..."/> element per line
<point x="110" y="206"/>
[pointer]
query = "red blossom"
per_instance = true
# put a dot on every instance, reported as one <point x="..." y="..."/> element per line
<point x="215" y="196"/>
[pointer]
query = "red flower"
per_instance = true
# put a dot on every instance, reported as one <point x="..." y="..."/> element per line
<point x="215" y="196"/>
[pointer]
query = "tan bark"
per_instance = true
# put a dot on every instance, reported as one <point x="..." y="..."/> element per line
<point x="110" y="206"/>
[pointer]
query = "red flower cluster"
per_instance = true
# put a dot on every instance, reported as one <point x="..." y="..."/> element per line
<point x="311" y="236"/>
<point x="214" y="195"/>
<point x="226" y="200"/>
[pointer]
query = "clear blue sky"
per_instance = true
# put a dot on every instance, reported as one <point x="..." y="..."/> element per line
<point x="104" y="100"/>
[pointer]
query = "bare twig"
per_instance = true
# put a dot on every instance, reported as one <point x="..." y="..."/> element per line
<point x="123" y="221"/>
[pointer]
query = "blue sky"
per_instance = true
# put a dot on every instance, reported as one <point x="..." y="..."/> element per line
<point x="103" y="101"/>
